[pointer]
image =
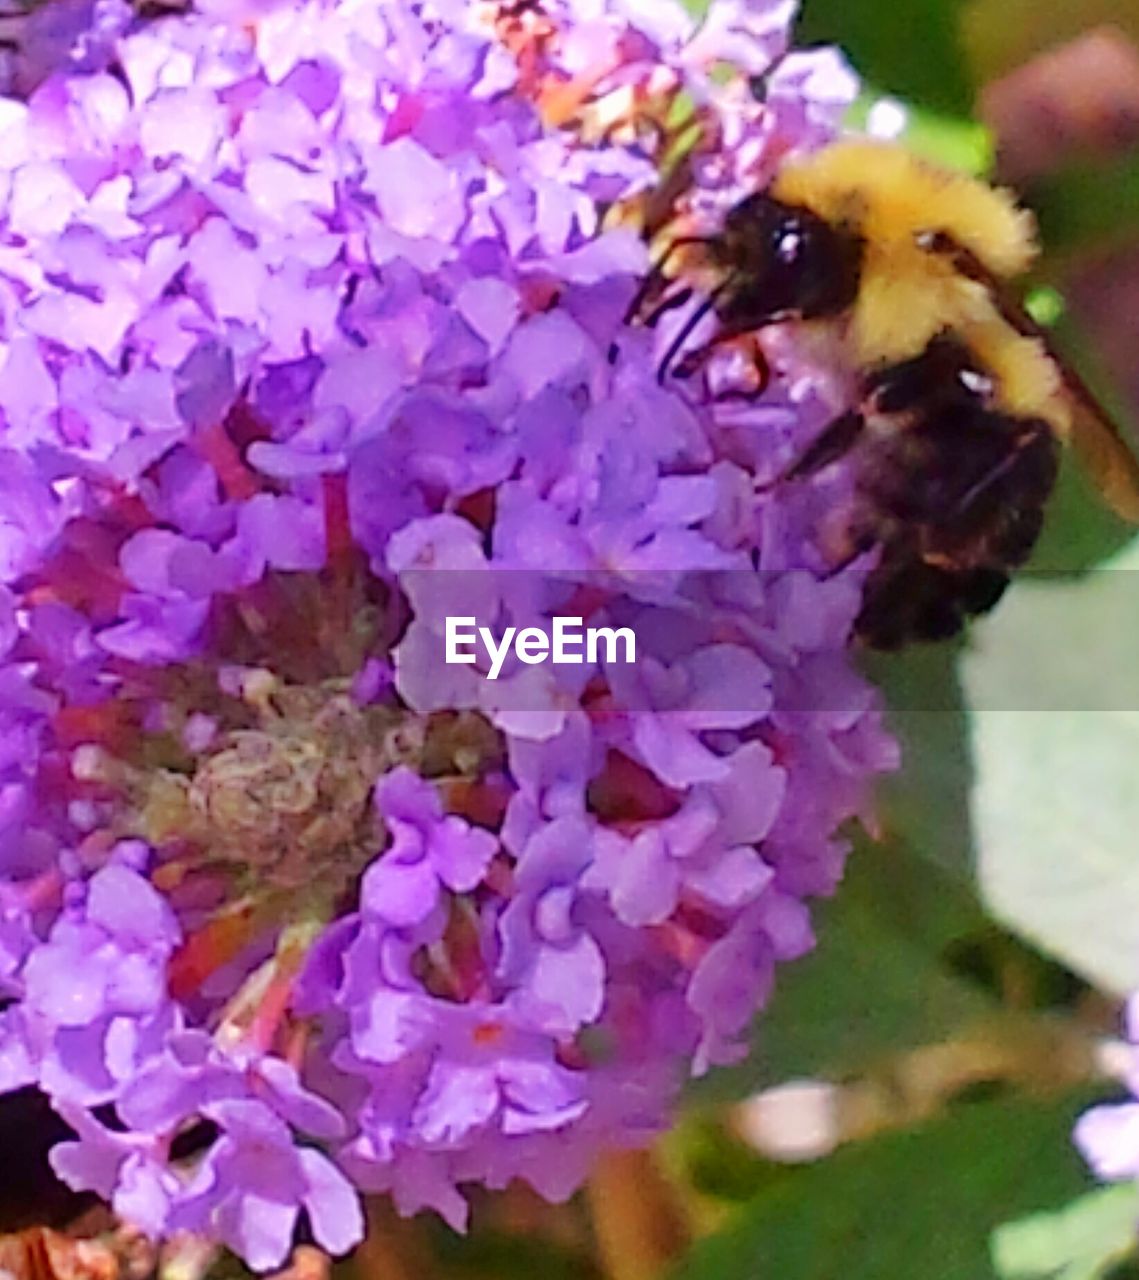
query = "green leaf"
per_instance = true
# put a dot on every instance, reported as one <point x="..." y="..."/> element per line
<point x="877" y="982"/>
<point x="926" y="804"/>
<point x="917" y="1204"/>
<point x="914" y="50"/>
<point x="1083" y="1241"/>
<point x="1053" y="685"/>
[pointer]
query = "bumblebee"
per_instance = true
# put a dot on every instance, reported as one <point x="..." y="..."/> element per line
<point x="904" y="270"/>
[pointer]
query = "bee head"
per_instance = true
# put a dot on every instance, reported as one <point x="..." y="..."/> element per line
<point x="782" y="261"/>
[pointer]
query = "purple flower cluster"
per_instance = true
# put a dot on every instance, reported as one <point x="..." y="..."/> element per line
<point x="307" y="309"/>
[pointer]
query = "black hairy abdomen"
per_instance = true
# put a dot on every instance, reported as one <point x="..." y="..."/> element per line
<point x="951" y="489"/>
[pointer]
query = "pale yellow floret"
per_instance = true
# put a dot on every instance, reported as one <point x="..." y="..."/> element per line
<point x="891" y="196"/>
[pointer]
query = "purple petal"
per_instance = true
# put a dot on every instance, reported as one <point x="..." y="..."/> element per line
<point x="570" y="979"/>
<point x="386" y="1028"/>
<point x="417" y="195"/>
<point x="735" y="876"/>
<point x="402" y="893"/>
<point x="333" y="1205"/>
<point x="302" y="1108"/>
<point x="259" y="1229"/>
<point x="143" y="1195"/>
<point x="645" y="882"/>
<point x="1108" y="1137"/>
<point x="460" y="853"/>
<point x="456" y="1100"/>
<point x="674" y="754"/>
<point x="129" y="908"/>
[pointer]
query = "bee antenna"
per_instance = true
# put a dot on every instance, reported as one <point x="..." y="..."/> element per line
<point x="674" y="300"/>
<point x="656" y="274"/>
<point x="651" y="282"/>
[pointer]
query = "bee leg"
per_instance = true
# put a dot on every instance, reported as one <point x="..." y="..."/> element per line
<point x="833" y="443"/>
<point x="740" y="395"/>
<point x="670" y="303"/>
<point x="666" y="305"/>
<point x="693" y="361"/>
<point x="863" y="543"/>
<point x="760" y="368"/>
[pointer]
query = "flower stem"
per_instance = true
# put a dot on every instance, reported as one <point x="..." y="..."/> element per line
<point x="638" y="1218"/>
<point x="393" y="1247"/>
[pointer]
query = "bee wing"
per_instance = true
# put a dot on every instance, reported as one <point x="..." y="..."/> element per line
<point x="1104" y="453"/>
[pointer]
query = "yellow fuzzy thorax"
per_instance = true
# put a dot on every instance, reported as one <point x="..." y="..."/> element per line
<point x="1029" y="380"/>
<point x="909" y="294"/>
<point x="890" y="196"/>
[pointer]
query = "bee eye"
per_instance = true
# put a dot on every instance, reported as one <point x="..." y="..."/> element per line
<point x="784" y="260"/>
